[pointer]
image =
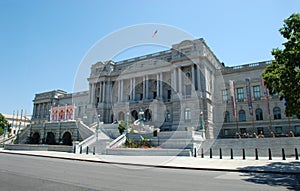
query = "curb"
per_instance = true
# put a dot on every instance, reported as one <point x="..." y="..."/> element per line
<point x="158" y="166"/>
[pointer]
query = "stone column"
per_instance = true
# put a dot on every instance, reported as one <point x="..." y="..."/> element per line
<point x="157" y="85"/>
<point x="119" y="90"/>
<point x="175" y="79"/>
<point x="93" y="94"/>
<point x="100" y="92"/>
<point x="103" y="91"/>
<point x="161" y="85"/>
<point x="131" y="93"/>
<point x="179" y="80"/>
<point x="193" y="76"/>
<point x="144" y="87"/>
<point x="122" y="91"/>
<point x="133" y="88"/>
<point x="198" y="76"/>
<point x="147" y="88"/>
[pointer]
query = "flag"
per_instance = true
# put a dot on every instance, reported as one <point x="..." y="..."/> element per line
<point x="249" y="99"/>
<point x="232" y="96"/>
<point x="266" y="93"/>
<point x="154" y="34"/>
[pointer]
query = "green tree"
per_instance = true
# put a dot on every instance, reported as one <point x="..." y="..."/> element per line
<point x="3" y="124"/>
<point x="282" y="76"/>
<point x="122" y="127"/>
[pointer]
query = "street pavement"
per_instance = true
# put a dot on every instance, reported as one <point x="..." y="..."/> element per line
<point x="276" y="165"/>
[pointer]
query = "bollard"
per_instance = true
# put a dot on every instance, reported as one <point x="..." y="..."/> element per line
<point x="283" y="154"/>
<point x="202" y="153"/>
<point x="80" y="151"/>
<point x="74" y="150"/>
<point x="94" y="150"/>
<point x="244" y="155"/>
<point x="231" y="153"/>
<point x="220" y="153"/>
<point x="256" y="154"/>
<point x="296" y="154"/>
<point x="270" y="154"/>
<point x="210" y="153"/>
<point x="87" y="150"/>
<point x="195" y="152"/>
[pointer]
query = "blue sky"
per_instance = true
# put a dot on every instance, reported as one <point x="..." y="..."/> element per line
<point x="43" y="42"/>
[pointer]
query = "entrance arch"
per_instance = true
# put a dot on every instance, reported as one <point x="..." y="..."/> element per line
<point x="50" y="139"/>
<point x="35" y="138"/>
<point x="134" y="114"/>
<point x="148" y="115"/>
<point x="67" y="139"/>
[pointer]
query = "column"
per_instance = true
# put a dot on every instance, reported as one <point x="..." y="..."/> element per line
<point x="90" y="86"/>
<point x="147" y="88"/>
<point x="122" y="92"/>
<point x="133" y="88"/>
<point x="93" y="94"/>
<point x="103" y="91"/>
<point x="161" y="85"/>
<point x="144" y="87"/>
<point x="175" y="79"/>
<point x="179" y="80"/>
<point x="198" y="76"/>
<point x="193" y="76"/>
<point x="100" y="92"/>
<point x="119" y="90"/>
<point x="131" y="93"/>
<point x="157" y="85"/>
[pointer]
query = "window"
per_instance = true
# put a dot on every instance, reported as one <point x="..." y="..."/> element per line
<point x="277" y="113"/>
<point x="168" y="115"/>
<point x="256" y="92"/>
<point x="227" y="117"/>
<point x="242" y="115"/>
<point x="260" y="130"/>
<point x="154" y="95"/>
<point x="297" y="130"/>
<point x="169" y="94"/>
<point x="259" y="114"/>
<point x="187" y="114"/>
<point x="225" y="95"/>
<point x="226" y="132"/>
<point x="278" y="130"/>
<point x="240" y="94"/>
<point x="188" y="90"/>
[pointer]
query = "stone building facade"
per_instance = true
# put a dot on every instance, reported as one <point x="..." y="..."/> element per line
<point x="184" y="87"/>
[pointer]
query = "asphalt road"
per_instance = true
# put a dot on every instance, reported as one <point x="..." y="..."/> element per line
<point x="36" y="173"/>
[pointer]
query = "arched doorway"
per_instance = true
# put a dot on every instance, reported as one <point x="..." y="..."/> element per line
<point x="35" y="138"/>
<point x="67" y="138"/>
<point x="121" y="116"/>
<point x="148" y="115"/>
<point x="134" y="114"/>
<point x="50" y="139"/>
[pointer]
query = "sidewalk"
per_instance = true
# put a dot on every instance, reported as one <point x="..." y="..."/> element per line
<point x="263" y="165"/>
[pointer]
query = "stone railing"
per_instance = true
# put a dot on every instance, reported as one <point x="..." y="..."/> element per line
<point x="118" y="141"/>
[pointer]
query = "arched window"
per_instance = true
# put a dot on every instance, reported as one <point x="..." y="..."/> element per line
<point x="242" y="115"/>
<point x="277" y="113"/>
<point x="121" y="116"/>
<point x="227" y="117"/>
<point x="259" y="114"/>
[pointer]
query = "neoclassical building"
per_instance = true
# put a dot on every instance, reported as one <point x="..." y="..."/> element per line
<point x="186" y="86"/>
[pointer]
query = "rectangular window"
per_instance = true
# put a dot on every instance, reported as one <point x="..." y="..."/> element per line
<point x="187" y="114"/>
<point x="226" y="132"/>
<point x="225" y="95"/>
<point x="154" y="95"/>
<point x="169" y="94"/>
<point x="256" y="92"/>
<point x="240" y="94"/>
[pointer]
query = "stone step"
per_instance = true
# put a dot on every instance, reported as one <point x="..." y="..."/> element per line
<point x="149" y="152"/>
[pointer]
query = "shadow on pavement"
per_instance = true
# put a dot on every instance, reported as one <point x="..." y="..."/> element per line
<point x="287" y="174"/>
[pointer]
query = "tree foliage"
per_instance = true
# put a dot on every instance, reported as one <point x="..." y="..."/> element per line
<point x="3" y="124"/>
<point x="282" y="76"/>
